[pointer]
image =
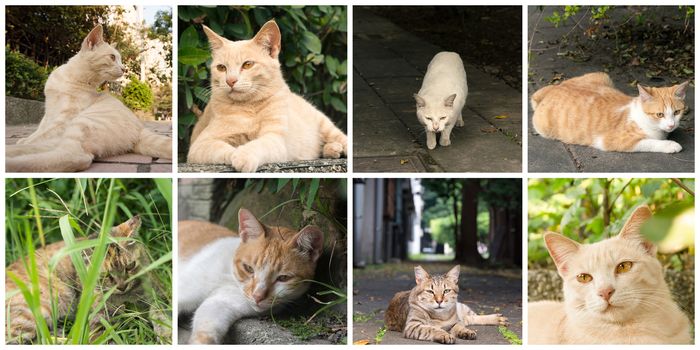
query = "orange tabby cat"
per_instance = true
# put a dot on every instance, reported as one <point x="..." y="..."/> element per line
<point x="588" y="110"/>
<point x="252" y="117"/>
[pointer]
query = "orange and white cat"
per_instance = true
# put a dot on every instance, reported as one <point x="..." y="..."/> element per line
<point x="252" y="117"/>
<point x="588" y="110"/>
<point x="80" y="123"/>
<point x="225" y="276"/>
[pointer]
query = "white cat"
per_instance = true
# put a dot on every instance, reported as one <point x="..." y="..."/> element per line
<point x="614" y="293"/>
<point x="442" y="96"/>
<point x="80" y="123"/>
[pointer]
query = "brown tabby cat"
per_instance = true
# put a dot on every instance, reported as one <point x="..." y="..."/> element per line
<point x="588" y="110"/>
<point x="122" y="260"/>
<point x="430" y="311"/>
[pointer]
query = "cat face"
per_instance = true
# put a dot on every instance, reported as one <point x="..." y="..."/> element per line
<point x="123" y="258"/>
<point x="272" y="263"/>
<point x="664" y="106"/>
<point x="435" y="115"/>
<point x="437" y="293"/>
<point x="611" y="279"/>
<point x="103" y="59"/>
<point x="241" y="69"/>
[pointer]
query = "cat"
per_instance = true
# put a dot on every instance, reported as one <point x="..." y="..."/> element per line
<point x="80" y="123"/>
<point x="614" y="293"/>
<point x="430" y="311"/>
<point x="252" y="117"/>
<point x="123" y="260"/>
<point x="225" y="276"/>
<point x="442" y="96"/>
<point x="588" y="110"/>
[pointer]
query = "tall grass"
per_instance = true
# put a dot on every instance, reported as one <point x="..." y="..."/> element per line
<point x="70" y="209"/>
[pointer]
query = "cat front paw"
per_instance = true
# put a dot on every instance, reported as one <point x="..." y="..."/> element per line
<point x="466" y="333"/>
<point x="244" y="162"/>
<point x="431" y="143"/>
<point x="670" y="147"/>
<point x="501" y="320"/>
<point x="332" y="150"/>
<point x="202" y="338"/>
<point x="445" y="141"/>
<point x="444" y="338"/>
<point x="460" y="122"/>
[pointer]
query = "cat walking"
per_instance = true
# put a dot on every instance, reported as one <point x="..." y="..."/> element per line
<point x="441" y="98"/>
<point x="80" y="123"/>
<point x="431" y="310"/>
<point x="225" y="276"/>
<point x="253" y="118"/>
<point x="589" y="110"/>
<point x="614" y="293"/>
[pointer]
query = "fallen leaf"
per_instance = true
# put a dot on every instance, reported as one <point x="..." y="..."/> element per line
<point x="501" y="117"/>
<point x="361" y="342"/>
<point x="404" y="161"/>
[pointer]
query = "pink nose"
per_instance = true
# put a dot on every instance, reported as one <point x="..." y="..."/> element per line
<point x="231" y="81"/>
<point x="259" y="295"/>
<point x="606" y="293"/>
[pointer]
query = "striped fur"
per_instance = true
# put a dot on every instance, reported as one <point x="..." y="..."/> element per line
<point x="252" y="117"/>
<point x="431" y="311"/>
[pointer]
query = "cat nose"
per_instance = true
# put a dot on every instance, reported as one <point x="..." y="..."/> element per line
<point x="231" y="81"/>
<point x="259" y="295"/>
<point x="606" y="293"/>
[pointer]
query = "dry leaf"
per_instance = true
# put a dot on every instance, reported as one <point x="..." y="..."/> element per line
<point x="361" y="342"/>
<point x="501" y="117"/>
<point x="404" y="161"/>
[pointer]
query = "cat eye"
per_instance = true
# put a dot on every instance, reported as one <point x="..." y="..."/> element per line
<point x="131" y="265"/>
<point x="659" y="115"/>
<point x="447" y="291"/>
<point x="443" y="118"/>
<point x="247" y="268"/>
<point x="283" y="278"/>
<point x="430" y="291"/>
<point x="584" y="277"/>
<point x="247" y="64"/>
<point x="677" y="112"/>
<point x="220" y="67"/>
<point x="623" y="267"/>
<point x="113" y="57"/>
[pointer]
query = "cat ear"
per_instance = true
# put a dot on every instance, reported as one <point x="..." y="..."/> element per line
<point x="420" y="102"/>
<point x="421" y="274"/>
<point x="270" y="38"/>
<point x="248" y="225"/>
<point x="93" y="39"/>
<point x="680" y="90"/>
<point x="215" y="40"/>
<point x="453" y="274"/>
<point x="309" y="242"/>
<point x="644" y="93"/>
<point x="127" y="229"/>
<point x="631" y="229"/>
<point x="450" y="100"/>
<point x="560" y="249"/>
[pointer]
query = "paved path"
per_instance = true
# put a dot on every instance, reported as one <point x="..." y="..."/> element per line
<point x="549" y="61"/>
<point x="126" y="163"/>
<point x="389" y="64"/>
<point x="323" y="165"/>
<point x="483" y="292"/>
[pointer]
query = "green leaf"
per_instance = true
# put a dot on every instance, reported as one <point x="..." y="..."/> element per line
<point x="313" y="189"/>
<point x="188" y="97"/>
<point x="311" y="42"/>
<point x="236" y="30"/>
<point x="189" y="38"/>
<point x="338" y="104"/>
<point x="192" y="55"/>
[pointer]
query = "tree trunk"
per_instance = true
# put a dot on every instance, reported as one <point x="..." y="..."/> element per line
<point x="466" y="250"/>
<point x="505" y="238"/>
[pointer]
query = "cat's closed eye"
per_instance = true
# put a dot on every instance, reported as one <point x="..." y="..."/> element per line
<point x="247" y="64"/>
<point x="220" y="67"/>
<point x="283" y="278"/>
<point x="443" y="118"/>
<point x="247" y="268"/>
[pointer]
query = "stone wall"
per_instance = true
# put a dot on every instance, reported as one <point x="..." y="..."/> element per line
<point x="20" y="111"/>
<point x="195" y="199"/>
<point x="303" y="166"/>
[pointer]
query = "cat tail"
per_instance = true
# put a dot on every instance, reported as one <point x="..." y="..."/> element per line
<point x="335" y="142"/>
<point x="538" y="96"/>
<point x="154" y="145"/>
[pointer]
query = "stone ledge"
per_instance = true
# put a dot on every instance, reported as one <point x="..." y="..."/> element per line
<point x="304" y="166"/>
<point x="19" y="111"/>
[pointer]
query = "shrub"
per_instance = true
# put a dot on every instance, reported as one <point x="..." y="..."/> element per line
<point x="137" y="95"/>
<point x="23" y="77"/>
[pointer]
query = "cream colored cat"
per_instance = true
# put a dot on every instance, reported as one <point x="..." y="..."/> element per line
<point x="252" y="117"/>
<point x="588" y="110"/>
<point x="225" y="276"/>
<point x="81" y="124"/>
<point x="614" y="293"/>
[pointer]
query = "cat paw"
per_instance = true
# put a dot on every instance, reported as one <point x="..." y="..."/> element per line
<point x="670" y="147"/>
<point x="244" y="162"/>
<point x="445" y="142"/>
<point x="466" y="333"/>
<point x="460" y="122"/>
<point x="501" y="320"/>
<point x="431" y="144"/>
<point x="332" y="150"/>
<point x="444" y="338"/>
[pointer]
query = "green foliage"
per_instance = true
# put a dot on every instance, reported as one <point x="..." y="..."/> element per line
<point x="137" y="95"/>
<point x="313" y="57"/>
<point x="50" y="210"/>
<point x="558" y="18"/>
<point x="590" y="210"/>
<point x="509" y="335"/>
<point x="23" y="77"/>
<point x="379" y="336"/>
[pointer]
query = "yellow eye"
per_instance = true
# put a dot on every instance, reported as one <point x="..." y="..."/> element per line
<point x="623" y="267"/>
<point x="113" y="57"/>
<point x="659" y="115"/>
<point x="247" y="64"/>
<point x="584" y="277"/>
<point x="220" y="67"/>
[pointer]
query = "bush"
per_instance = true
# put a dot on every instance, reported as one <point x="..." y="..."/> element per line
<point x="23" y="77"/>
<point x="313" y="57"/>
<point x="137" y="95"/>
